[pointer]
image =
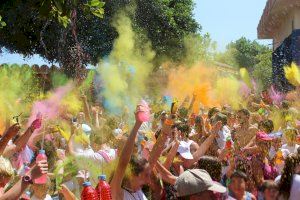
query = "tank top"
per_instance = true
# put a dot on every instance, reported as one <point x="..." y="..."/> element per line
<point x="129" y="195"/>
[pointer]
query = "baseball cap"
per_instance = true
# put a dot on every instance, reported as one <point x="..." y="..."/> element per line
<point x="184" y="150"/>
<point x="83" y="174"/>
<point x="194" y="181"/>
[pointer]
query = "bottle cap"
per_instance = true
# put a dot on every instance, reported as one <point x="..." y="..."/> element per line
<point x="42" y="151"/>
<point x="102" y="177"/>
<point x="85" y="184"/>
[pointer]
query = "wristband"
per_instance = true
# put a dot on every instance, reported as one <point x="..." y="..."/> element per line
<point x="27" y="179"/>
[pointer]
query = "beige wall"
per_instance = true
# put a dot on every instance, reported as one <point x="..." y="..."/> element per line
<point x="285" y="29"/>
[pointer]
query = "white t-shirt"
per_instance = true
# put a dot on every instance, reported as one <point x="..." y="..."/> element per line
<point x="138" y="195"/>
<point x="295" y="189"/>
<point x="224" y="133"/>
<point x="286" y="150"/>
<point x="48" y="197"/>
<point x="97" y="156"/>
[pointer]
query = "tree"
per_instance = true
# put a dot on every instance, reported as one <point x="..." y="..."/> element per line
<point x="244" y="53"/>
<point x="82" y="37"/>
<point x="263" y="69"/>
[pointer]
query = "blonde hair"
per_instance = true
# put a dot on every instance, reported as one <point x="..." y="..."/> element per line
<point x="6" y="169"/>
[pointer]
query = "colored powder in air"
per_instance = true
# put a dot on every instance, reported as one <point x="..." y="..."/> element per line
<point x="227" y="91"/>
<point x="245" y="77"/>
<point x="292" y="74"/>
<point x="49" y="108"/>
<point x="17" y="91"/>
<point x="196" y="80"/>
<point x="124" y="73"/>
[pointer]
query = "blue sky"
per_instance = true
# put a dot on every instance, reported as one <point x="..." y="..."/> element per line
<point x="225" y="20"/>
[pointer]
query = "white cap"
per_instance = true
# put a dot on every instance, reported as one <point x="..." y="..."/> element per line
<point x="184" y="150"/>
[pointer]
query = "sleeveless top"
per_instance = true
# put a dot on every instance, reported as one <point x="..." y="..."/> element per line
<point x="129" y="195"/>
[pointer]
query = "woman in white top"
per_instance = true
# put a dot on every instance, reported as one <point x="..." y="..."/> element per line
<point x="290" y="181"/>
<point x="129" y="188"/>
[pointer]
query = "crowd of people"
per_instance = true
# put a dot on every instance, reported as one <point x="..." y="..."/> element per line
<point x="216" y="153"/>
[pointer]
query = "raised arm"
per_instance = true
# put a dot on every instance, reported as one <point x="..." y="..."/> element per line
<point x="206" y="144"/>
<point x="124" y="160"/>
<point x="166" y="175"/>
<point x="8" y="135"/>
<point x="17" y="190"/>
<point x="171" y="155"/>
<point x="23" y="139"/>
<point x="159" y="145"/>
<point x="86" y="109"/>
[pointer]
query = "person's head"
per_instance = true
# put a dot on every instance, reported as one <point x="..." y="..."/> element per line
<point x="184" y="130"/>
<point x="80" y="117"/>
<point x="266" y="126"/>
<point x="238" y="182"/>
<point x="41" y="190"/>
<point x="100" y="137"/>
<point x="291" y="167"/>
<point x="197" y="184"/>
<point x="285" y="105"/>
<point x="163" y="116"/>
<point x="6" y="171"/>
<point x="270" y="190"/>
<point x="140" y="170"/>
<point x="219" y="117"/>
<point x="290" y="135"/>
<point x="211" y="112"/>
<point x="263" y="142"/>
<point x="243" y="116"/>
<point x="212" y="165"/>
<point x="184" y="153"/>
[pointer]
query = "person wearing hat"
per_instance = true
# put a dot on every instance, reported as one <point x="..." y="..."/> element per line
<point x="197" y="184"/>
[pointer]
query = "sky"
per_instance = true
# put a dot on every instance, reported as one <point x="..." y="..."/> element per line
<point x="229" y="20"/>
<point x="224" y="20"/>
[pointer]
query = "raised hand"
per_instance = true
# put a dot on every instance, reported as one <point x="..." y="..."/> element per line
<point x="36" y="124"/>
<point x="39" y="169"/>
<point x="12" y="131"/>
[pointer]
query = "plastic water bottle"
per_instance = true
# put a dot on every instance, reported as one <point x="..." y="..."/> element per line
<point x="144" y="111"/>
<point x="42" y="179"/>
<point x="103" y="189"/>
<point x="88" y="192"/>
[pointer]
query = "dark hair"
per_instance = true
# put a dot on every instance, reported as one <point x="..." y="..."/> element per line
<point x="269" y="185"/>
<point x="185" y="129"/>
<point x="244" y="111"/>
<point x="285" y="104"/>
<point x="212" y="165"/>
<point x="268" y="125"/>
<point x="137" y="165"/>
<point x="220" y="117"/>
<point x="239" y="174"/>
<point x="287" y="175"/>
<point x="212" y="111"/>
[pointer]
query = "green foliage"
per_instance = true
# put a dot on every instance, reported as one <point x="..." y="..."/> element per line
<point x="263" y="69"/>
<point x="2" y="23"/>
<point x="256" y="58"/>
<point x="164" y="22"/>
<point x="246" y="52"/>
<point x="198" y="48"/>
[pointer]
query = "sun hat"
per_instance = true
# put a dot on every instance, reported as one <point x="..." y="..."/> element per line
<point x="184" y="150"/>
<point x="194" y="181"/>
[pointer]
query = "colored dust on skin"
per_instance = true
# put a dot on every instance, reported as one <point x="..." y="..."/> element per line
<point x="124" y="73"/>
